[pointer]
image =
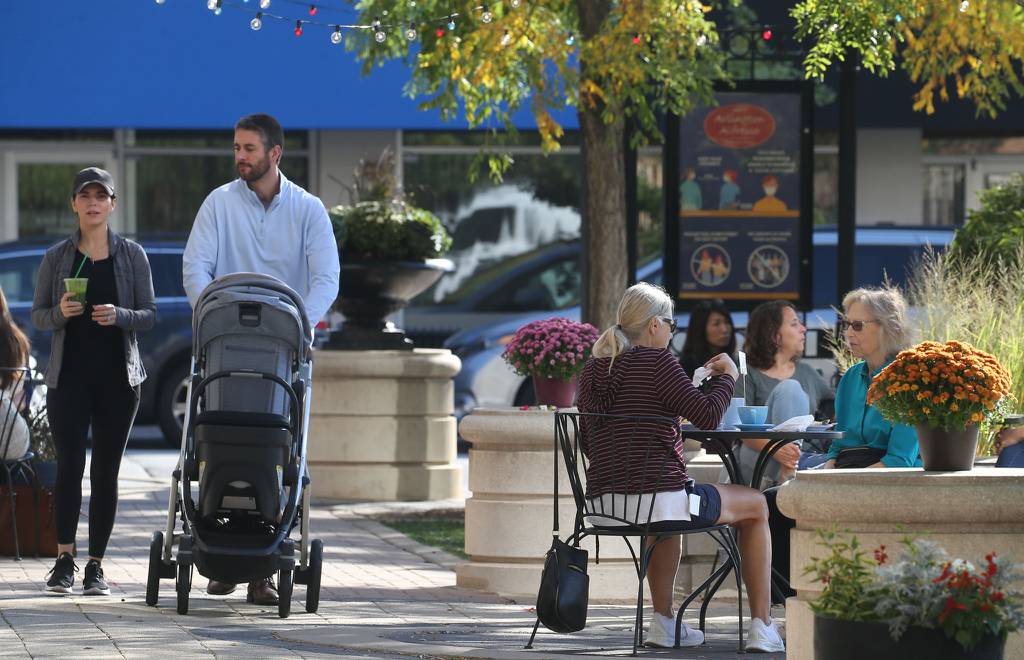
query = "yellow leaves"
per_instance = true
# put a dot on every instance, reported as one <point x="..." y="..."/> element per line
<point x="591" y="93"/>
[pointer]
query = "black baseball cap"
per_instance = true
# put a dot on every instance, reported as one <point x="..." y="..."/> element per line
<point x="93" y="175"/>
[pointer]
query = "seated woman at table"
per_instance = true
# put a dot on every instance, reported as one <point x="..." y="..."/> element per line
<point x="632" y="372"/>
<point x="876" y="329"/>
<point x="710" y="332"/>
<point x="776" y="378"/>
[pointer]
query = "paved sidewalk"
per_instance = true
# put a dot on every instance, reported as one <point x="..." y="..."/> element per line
<point x="383" y="596"/>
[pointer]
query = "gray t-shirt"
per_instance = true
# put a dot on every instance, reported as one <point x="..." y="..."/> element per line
<point x="759" y="385"/>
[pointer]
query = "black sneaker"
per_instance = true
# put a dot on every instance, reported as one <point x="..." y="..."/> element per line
<point x="94" y="584"/>
<point x="62" y="575"/>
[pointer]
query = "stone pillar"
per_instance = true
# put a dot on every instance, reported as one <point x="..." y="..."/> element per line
<point x="968" y="513"/>
<point x="508" y="518"/>
<point x="381" y="425"/>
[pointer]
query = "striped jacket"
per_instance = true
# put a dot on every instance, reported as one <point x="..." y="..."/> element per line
<point x="642" y="381"/>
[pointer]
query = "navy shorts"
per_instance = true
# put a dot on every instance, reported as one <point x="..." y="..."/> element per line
<point x="710" y="511"/>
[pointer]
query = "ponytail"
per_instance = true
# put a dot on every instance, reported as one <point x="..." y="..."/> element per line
<point x="612" y="343"/>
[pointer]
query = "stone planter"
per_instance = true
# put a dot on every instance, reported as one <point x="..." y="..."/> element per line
<point x="381" y="426"/>
<point x="509" y="516"/>
<point x="968" y="513"/>
<point x="370" y="291"/>
<point x="835" y="639"/>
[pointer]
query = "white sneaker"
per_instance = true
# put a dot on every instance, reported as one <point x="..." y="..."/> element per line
<point x="764" y="637"/>
<point x="662" y="633"/>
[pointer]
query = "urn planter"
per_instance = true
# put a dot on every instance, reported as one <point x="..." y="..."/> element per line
<point x="943" y="450"/>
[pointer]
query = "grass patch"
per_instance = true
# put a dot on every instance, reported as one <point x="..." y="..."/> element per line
<point x="446" y="533"/>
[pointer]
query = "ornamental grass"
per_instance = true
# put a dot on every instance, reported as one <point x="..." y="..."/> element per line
<point x="977" y="300"/>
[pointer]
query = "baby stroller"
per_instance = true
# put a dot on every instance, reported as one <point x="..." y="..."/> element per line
<point x="241" y="484"/>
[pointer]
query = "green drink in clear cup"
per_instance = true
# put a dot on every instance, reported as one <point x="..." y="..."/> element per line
<point x="77" y="286"/>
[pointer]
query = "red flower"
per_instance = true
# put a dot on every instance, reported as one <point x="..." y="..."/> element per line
<point x="880" y="555"/>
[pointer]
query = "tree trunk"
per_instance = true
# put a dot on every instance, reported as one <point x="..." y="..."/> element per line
<point x="604" y="204"/>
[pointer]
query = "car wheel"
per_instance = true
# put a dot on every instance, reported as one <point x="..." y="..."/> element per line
<point x="525" y="395"/>
<point x="172" y="402"/>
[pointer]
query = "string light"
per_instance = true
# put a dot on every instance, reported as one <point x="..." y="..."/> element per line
<point x="440" y="33"/>
<point x="451" y="22"/>
<point x="637" y="39"/>
<point x="767" y="35"/>
<point x="410" y="32"/>
<point x="570" y="40"/>
<point x="298" y="28"/>
<point x="506" y="38"/>
<point x="378" y="32"/>
<point x="160" y="2"/>
<point x="514" y="4"/>
<point x="964" y="6"/>
<point x="486" y="16"/>
<point x="312" y="10"/>
<point x="264" y="4"/>
<point x="257" y="22"/>
<point x="336" y="35"/>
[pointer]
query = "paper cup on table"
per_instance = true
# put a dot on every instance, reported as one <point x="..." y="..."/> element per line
<point x="77" y="286"/>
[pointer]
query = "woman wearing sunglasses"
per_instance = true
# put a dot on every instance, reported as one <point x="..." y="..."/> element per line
<point x="875" y="329"/>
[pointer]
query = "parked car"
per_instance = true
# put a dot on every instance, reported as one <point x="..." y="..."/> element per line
<point x="166" y="348"/>
<point x="485" y="380"/>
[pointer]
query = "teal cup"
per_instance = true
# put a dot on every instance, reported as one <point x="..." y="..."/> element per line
<point x="753" y="414"/>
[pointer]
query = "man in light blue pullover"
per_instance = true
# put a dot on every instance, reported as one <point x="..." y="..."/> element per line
<point x="263" y="223"/>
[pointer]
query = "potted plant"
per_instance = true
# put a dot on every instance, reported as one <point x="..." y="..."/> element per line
<point x="923" y="605"/>
<point x="946" y="391"/>
<point x="389" y="253"/>
<point x="551" y="351"/>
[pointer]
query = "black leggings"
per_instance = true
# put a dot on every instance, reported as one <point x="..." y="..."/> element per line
<point x="110" y="408"/>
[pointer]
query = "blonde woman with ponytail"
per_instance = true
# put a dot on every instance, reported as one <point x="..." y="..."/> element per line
<point x="632" y="373"/>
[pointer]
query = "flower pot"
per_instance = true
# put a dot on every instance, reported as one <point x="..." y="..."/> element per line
<point x="554" y="392"/>
<point x="836" y="639"/>
<point x="943" y="450"/>
<point x="370" y="291"/>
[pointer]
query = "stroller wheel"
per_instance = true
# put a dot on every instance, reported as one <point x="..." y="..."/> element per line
<point x="284" y="594"/>
<point x="184" y="585"/>
<point x="316" y="561"/>
<point x="156" y="547"/>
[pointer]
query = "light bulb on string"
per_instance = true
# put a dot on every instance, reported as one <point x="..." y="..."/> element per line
<point x="312" y="10"/>
<point x="440" y="33"/>
<point x="410" y="32"/>
<point x="702" y="40"/>
<point x="257" y="22"/>
<point x="298" y="28"/>
<point x="767" y="35"/>
<point x="336" y="35"/>
<point x="570" y="40"/>
<point x="378" y="32"/>
<point x="264" y="4"/>
<point x="637" y="39"/>
<point x="451" y="22"/>
<point x="506" y="38"/>
<point x="514" y="4"/>
<point x="160" y="2"/>
<point x="486" y="16"/>
<point x="964" y="6"/>
<point x="212" y="4"/>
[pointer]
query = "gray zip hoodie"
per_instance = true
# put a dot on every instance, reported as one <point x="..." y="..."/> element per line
<point x="135" y="308"/>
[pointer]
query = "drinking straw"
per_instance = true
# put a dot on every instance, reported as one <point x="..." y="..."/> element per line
<point x="85" y="255"/>
<point x="743" y="369"/>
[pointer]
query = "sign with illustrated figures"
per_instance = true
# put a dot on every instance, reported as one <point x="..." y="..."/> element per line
<point x="739" y="198"/>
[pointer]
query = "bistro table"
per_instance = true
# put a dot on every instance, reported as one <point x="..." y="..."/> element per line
<point x="722" y="442"/>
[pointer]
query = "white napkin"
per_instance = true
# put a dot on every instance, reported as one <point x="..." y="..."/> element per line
<point x="798" y="423"/>
<point x="699" y="374"/>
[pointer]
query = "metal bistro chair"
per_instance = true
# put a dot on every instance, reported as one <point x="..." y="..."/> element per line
<point x="640" y="456"/>
<point x="20" y="466"/>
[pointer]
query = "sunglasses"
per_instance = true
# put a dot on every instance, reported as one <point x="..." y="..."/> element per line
<point x="856" y="326"/>
<point x="671" y="324"/>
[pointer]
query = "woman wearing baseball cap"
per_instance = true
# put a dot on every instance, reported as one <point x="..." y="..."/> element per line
<point x="95" y="292"/>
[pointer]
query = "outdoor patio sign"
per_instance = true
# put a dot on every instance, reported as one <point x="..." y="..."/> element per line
<point x="742" y="197"/>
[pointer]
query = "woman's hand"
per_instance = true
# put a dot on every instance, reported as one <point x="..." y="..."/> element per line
<point x="104" y="314"/>
<point x="1008" y="438"/>
<point x="722" y="364"/>
<point x="829" y="465"/>
<point x="788" y="456"/>
<point x="68" y="306"/>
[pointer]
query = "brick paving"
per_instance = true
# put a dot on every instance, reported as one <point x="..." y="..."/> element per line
<point x="383" y="596"/>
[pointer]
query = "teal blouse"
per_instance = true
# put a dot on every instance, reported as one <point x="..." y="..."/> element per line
<point x="864" y="426"/>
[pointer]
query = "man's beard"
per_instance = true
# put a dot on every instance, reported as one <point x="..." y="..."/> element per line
<point x="255" y="171"/>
